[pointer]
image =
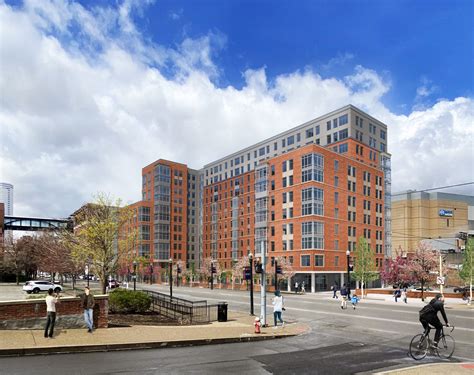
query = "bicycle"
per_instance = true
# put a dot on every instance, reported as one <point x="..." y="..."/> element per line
<point x="421" y="344"/>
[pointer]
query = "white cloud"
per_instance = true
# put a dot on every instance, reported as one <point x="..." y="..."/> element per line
<point x="87" y="102"/>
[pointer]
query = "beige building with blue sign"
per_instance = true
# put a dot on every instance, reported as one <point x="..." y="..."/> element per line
<point x="441" y="218"/>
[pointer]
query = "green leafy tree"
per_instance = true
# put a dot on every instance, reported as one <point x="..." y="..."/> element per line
<point x="100" y="238"/>
<point x="467" y="267"/>
<point x="364" y="265"/>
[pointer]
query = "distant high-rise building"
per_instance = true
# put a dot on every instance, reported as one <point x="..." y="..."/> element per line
<point x="6" y="197"/>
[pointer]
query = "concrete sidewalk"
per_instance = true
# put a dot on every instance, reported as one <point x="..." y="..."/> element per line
<point x="238" y="328"/>
<point x="433" y="369"/>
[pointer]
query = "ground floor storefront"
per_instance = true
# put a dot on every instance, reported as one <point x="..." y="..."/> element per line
<point x="321" y="281"/>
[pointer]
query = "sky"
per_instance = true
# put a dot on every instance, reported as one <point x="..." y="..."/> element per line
<point x="91" y="92"/>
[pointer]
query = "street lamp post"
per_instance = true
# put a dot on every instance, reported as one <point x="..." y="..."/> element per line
<point x="212" y="274"/>
<point x="263" y="288"/>
<point x="88" y="270"/>
<point x="251" y="283"/>
<point x="134" y="275"/>
<point x="171" y="277"/>
<point x="348" y="254"/>
<point x="178" y="272"/>
<point x="151" y="273"/>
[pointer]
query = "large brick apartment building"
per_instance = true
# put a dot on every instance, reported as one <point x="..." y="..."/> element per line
<point x="306" y="194"/>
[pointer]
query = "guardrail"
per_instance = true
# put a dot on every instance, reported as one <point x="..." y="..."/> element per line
<point x="182" y="310"/>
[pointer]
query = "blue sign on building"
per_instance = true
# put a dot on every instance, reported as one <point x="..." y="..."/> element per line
<point x="446" y="213"/>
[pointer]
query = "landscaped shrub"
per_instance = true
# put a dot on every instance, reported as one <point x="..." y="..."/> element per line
<point x="128" y="301"/>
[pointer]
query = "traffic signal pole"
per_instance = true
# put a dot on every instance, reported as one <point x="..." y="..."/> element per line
<point x="276" y="275"/>
<point x="251" y="285"/>
<point x="263" y="289"/>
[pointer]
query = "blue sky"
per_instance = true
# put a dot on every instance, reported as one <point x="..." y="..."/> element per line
<point x="88" y="86"/>
<point x="412" y="43"/>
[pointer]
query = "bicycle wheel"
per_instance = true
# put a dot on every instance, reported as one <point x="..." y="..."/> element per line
<point x="446" y="346"/>
<point x="418" y="347"/>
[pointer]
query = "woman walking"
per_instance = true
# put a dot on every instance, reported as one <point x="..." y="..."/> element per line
<point x="278" y="307"/>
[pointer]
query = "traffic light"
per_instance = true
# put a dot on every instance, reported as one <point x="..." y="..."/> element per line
<point x="213" y="269"/>
<point x="279" y="270"/>
<point x="179" y="269"/>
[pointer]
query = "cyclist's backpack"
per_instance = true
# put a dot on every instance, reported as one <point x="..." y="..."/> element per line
<point x="428" y="309"/>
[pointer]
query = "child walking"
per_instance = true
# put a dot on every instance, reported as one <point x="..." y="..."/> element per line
<point x="354" y="301"/>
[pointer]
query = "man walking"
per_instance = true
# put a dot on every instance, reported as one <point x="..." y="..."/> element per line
<point x="334" y="288"/>
<point x="88" y="303"/>
<point x="51" y="313"/>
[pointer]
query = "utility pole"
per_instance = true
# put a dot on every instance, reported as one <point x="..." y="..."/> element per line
<point x="251" y="284"/>
<point x="441" y="272"/>
<point x="263" y="289"/>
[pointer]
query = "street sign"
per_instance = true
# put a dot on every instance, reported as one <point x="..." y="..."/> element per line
<point x="440" y="280"/>
<point x="246" y="273"/>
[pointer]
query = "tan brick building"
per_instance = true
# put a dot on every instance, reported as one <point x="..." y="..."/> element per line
<point x="439" y="217"/>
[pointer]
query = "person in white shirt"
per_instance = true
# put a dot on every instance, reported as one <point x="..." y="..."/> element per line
<point x="278" y="307"/>
<point x="51" y="313"/>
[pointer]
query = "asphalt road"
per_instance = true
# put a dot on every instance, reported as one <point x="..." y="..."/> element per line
<point x="370" y="338"/>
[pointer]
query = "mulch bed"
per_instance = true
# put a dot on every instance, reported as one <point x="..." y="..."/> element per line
<point x="146" y="319"/>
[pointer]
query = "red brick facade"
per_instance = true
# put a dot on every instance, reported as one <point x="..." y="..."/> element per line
<point x="11" y="311"/>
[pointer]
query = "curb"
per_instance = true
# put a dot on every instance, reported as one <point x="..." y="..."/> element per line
<point x="423" y="366"/>
<point x="132" y="346"/>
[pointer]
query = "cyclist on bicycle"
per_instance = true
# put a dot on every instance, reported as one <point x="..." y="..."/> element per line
<point x="429" y="315"/>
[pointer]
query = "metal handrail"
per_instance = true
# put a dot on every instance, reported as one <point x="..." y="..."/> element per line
<point x="188" y="311"/>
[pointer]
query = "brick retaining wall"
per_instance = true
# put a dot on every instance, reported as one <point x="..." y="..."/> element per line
<point x="31" y="314"/>
<point x="410" y="294"/>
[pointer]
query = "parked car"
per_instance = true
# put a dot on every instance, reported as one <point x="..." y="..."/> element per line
<point x="418" y="289"/>
<point x="36" y="286"/>
<point x="460" y="289"/>
<point x="113" y="284"/>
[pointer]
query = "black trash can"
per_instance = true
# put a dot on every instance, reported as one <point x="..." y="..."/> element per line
<point x="222" y="311"/>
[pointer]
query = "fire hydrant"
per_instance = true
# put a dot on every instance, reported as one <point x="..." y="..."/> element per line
<point x="257" y="325"/>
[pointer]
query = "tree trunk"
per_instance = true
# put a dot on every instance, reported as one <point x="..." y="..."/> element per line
<point x="422" y="289"/>
<point x="17" y="278"/>
<point x="362" y="288"/>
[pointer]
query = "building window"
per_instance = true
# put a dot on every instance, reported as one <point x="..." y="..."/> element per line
<point x="336" y="165"/>
<point x="290" y="140"/>
<point x="343" y="148"/>
<point x="305" y="261"/>
<point x="336" y="260"/>
<point x="312" y="201"/>
<point x="328" y="125"/>
<point x="312" y="167"/>
<point x="319" y="260"/>
<point x="343" y="134"/>
<point x="309" y="133"/>
<point x="343" y="120"/>
<point x="312" y="235"/>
